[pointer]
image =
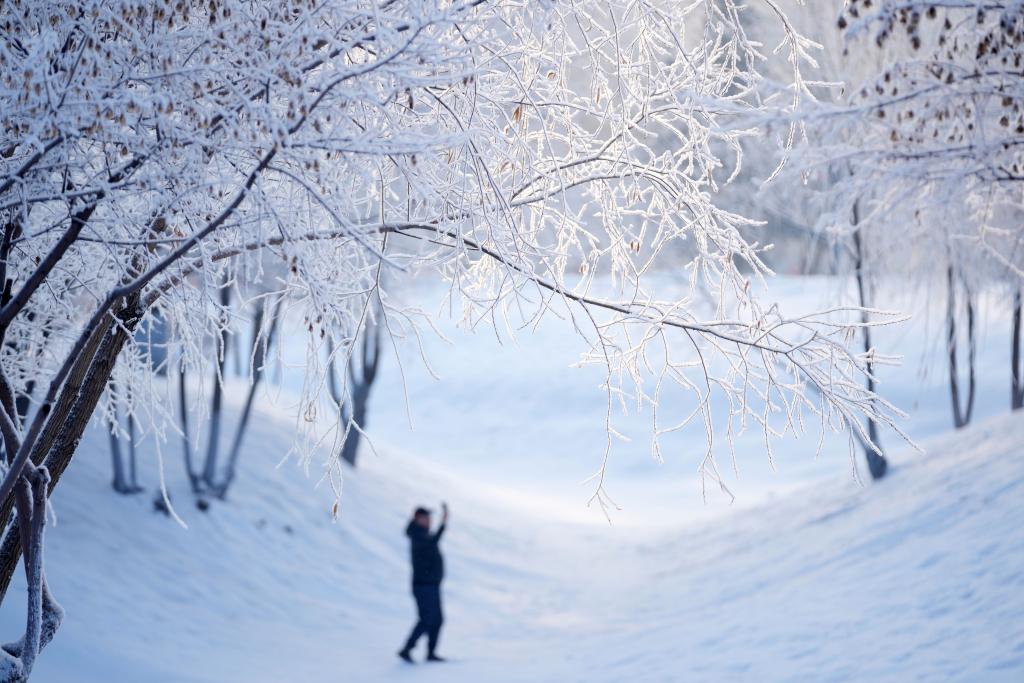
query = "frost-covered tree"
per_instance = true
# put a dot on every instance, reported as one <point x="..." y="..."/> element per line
<point x="154" y="150"/>
<point x="226" y="345"/>
<point x="262" y="337"/>
<point x="934" y="137"/>
<point x="815" y="199"/>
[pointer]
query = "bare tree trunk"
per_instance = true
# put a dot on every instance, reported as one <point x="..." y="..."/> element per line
<point x="186" y="443"/>
<point x="119" y="483"/>
<point x="362" y="372"/>
<point x="236" y="351"/>
<point x="125" y="482"/>
<point x="1016" y="371"/>
<point x="261" y="345"/>
<point x="961" y="414"/>
<point x="133" y="478"/>
<point x="213" y="444"/>
<point x="877" y="463"/>
<point x="350" y="449"/>
<point x="44" y="615"/>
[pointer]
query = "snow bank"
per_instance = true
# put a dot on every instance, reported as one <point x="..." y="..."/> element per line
<point x="807" y="577"/>
<point x="918" y="578"/>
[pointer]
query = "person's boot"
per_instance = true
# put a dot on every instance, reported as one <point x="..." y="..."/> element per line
<point x="404" y="654"/>
<point x="434" y="658"/>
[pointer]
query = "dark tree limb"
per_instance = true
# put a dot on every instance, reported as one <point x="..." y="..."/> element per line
<point x="361" y="373"/>
<point x="10" y="550"/>
<point x="961" y="410"/>
<point x="9" y="421"/>
<point x="124" y="481"/>
<point x="133" y="479"/>
<point x="43" y="615"/>
<point x="261" y="345"/>
<point x="186" y="443"/>
<point x="73" y="410"/>
<point x="11" y="230"/>
<point x="119" y="482"/>
<point x="1016" y="371"/>
<point x="216" y="403"/>
<point x="45" y="267"/>
<point x="877" y="463"/>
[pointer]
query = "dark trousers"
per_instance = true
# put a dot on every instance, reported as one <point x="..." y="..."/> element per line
<point x="428" y="607"/>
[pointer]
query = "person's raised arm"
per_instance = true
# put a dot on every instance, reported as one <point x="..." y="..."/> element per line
<point x="444" y="522"/>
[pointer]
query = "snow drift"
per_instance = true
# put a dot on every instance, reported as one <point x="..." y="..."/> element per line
<point x="920" y="577"/>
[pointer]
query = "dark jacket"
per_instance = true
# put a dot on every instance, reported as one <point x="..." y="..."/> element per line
<point x="427" y="563"/>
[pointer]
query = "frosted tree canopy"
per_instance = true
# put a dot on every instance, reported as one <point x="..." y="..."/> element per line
<point x="539" y="157"/>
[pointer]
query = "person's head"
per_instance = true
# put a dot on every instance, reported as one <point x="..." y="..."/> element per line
<point x="421" y="516"/>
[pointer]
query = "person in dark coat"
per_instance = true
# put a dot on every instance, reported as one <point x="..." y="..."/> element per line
<point x="427" y="573"/>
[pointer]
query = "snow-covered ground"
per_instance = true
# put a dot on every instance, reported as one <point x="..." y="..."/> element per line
<point x="808" y="576"/>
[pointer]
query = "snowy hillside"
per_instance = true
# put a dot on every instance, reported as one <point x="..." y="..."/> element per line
<point x="517" y="258"/>
<point x="918" y="578"/>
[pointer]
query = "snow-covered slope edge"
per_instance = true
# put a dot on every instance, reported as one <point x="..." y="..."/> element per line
<point x="919" y="577"/>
